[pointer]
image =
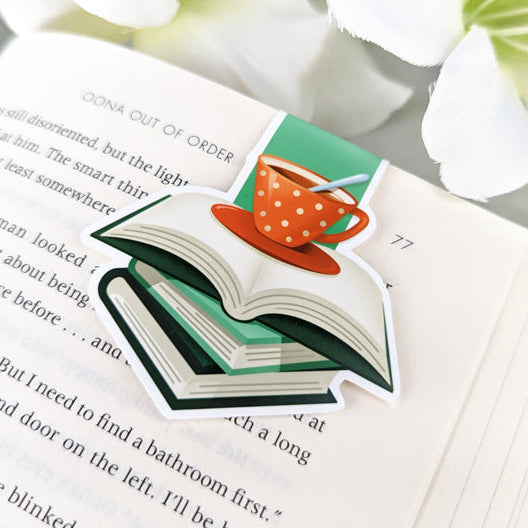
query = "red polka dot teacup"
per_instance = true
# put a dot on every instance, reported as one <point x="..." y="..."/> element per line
<point x="287" y="212"/>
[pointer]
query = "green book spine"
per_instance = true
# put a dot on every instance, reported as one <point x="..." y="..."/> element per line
<point x="248" y="333"/>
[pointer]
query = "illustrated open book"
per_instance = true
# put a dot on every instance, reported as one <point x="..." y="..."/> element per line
<point x="340" y="317"/>
<point x="81" y="441"/>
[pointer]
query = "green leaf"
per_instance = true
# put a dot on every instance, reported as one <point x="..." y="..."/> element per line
<point x="506" y="22"/>
<point x="495" y="14"/>
<point x="512" y="54"/>
<point x="498" y="17"/>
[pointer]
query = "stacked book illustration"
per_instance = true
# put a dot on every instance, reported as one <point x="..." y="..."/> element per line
<point x="216" y="322"/>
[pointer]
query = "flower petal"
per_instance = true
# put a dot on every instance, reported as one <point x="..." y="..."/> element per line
<point x="476" y="125"/>
<point x="286" y="55"/>
<point x="353" y="95"/>
<point x="24" y="16"/>
<point x="421" y="32"/>
<point x="133" y="13"/>
<point x="261" y="48"/>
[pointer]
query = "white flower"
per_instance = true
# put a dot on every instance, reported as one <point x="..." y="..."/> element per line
<point x="24" y="16"/>
<point x="284" y="53"/>
<point x="476" y="124"/>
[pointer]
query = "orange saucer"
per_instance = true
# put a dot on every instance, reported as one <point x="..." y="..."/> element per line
<point x="308" y="256"/>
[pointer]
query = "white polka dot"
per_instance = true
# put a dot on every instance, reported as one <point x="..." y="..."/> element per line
<point x="288" y="239"/>
<point x="267" y="228"/>
<point x="277" y="203"/>
<point x="262" y="213"/>
<point x="341" y="210"/>
<point x="261" y="193"/>
<point x="300" y="211"/>
<point x="276" y="185"/>
<point x="306" y="233"/>
<point x="318" y="206"/>
<point x="322" y="223"/>
<point x="263" y="173"/>
<point x="296" y="192"/>
<point x="285" y="223"/>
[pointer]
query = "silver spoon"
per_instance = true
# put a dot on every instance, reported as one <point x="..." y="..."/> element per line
<point x="343" y="182"/>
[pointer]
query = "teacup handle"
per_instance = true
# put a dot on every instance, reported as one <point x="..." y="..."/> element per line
<point x="334" y="238"/>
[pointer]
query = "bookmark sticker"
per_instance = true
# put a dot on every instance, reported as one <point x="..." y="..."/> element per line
<point x="253" y="301"/>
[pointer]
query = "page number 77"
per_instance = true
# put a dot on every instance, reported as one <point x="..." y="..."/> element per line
<point x="401" y="242"/>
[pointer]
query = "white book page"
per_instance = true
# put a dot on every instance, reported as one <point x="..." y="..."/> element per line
<point x="80" y="436"/>
<point x="480" y="476"/>
<point x="508" y="489"/>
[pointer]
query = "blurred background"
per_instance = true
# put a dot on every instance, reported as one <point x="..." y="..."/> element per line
<point x="399" y="138"/>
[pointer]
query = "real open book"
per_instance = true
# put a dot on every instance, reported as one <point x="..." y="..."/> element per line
<point x="80" y="441"/>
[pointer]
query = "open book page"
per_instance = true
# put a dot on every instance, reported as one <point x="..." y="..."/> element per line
<point x="454" y="320"/>
<point x="488" y="447"/>
<point x="500" y="463"/>
<point x="519" y="513"/>
<point x="172" y="225"/>
<point x="78" y="433"/>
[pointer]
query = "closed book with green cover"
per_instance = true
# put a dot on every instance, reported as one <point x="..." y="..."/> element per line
<point x="185" y="375"/>
<point x="239" y="347"/>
